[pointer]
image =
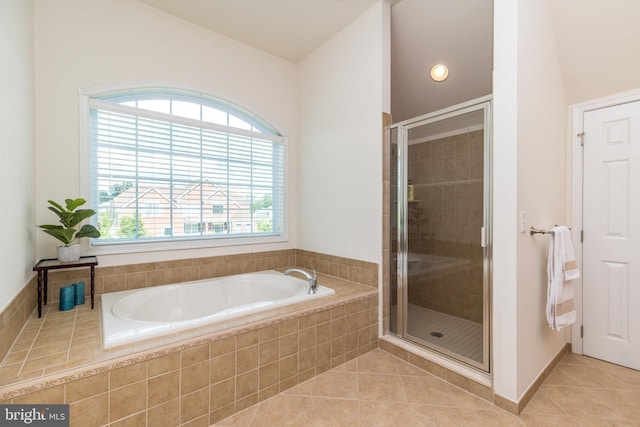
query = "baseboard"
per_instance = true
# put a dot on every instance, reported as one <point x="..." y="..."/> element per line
<point x="517" y="407"/>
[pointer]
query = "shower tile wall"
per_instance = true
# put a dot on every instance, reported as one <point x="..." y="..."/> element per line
<point x="445" y="221"/>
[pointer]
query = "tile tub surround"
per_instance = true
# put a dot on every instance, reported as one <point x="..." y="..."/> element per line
<point x="199" y="379"/>
<point x="134" y="276"/>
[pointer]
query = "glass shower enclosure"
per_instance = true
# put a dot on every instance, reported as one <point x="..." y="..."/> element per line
<point x="440" y="237"/>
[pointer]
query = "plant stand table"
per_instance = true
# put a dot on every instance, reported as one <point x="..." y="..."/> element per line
<point x="44" y="265"/>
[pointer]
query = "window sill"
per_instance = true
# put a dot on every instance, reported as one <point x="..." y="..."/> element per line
<point x="178" y="245"/>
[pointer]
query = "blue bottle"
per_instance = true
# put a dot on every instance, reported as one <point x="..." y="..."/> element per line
<point x="67" y="298"/>
<point x="78" y="292"/>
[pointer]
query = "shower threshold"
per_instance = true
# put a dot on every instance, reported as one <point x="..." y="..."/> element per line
<point x="454" y="334"/>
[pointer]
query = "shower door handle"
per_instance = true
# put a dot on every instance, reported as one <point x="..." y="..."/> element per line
<point x="483" y="237"/>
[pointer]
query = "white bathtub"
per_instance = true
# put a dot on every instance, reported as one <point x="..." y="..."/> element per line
<point x="135" y="315"/>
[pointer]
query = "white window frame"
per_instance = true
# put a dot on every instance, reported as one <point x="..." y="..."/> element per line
<point x="85" y="95"/>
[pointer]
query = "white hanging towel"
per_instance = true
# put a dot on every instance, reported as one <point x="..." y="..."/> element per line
<point x="561" y="269"/>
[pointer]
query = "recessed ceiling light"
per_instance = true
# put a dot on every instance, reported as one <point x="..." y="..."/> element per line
<point x="439" y="72"/>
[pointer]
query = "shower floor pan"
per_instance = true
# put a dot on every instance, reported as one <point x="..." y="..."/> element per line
<point x="457" y="335"/>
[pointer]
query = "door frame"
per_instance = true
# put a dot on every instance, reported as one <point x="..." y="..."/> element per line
<point x="577" y="112"/>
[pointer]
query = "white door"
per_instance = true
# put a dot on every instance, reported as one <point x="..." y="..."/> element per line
<point x="611" y="223"/>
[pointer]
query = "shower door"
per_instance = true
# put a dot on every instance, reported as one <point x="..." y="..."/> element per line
<point x="440" y="294"/>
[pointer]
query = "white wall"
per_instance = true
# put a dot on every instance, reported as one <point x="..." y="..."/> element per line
<point x="342" y="97"/>
<point x="542" y="130"/>
<point x="17" y="253"/>
<point x="529" y="174"/>
<point x="93" y="43"/>
<point x="505" y="167"/>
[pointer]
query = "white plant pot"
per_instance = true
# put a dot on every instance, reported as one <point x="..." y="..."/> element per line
<point x="69" y="253"/>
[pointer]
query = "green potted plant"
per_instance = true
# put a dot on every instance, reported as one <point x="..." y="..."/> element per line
<point x="70" y="217"/>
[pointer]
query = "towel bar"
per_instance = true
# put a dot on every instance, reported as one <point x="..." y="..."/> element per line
<point x="534" y="230"/>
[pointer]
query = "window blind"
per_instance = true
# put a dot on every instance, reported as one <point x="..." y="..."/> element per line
<point x="158" y="176"/>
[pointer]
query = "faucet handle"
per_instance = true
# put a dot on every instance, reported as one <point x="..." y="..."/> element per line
<point x="313" y="284"/>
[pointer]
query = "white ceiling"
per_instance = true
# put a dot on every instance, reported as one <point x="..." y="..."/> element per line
<point x="289" y="29"/>
<point x="591" y="36"/>
<point x="456" y="32"/>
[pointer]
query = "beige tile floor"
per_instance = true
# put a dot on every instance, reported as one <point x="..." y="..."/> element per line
<point x="377" y="389"/>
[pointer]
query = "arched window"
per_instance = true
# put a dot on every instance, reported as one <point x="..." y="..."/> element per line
<point x="168" y="164"/>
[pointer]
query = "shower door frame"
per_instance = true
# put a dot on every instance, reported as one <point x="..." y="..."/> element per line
<point x="403" y="128"/>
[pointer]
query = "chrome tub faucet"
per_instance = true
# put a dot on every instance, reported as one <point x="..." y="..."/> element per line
<point x="311" y="279"/>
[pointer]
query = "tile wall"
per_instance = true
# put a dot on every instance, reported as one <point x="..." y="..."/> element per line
<point x="445" y="221"/>
<point x="14" y="316"/>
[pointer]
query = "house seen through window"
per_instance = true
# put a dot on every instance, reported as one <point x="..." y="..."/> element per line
<point x="167" y="164"/>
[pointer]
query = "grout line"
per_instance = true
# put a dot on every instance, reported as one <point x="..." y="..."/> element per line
<point x="44" y="317"/>
<point x="405" y="395"/>
<point x="73" y="331"/>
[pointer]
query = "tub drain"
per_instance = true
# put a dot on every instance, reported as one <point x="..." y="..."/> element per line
<point x="437" y="334"/>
